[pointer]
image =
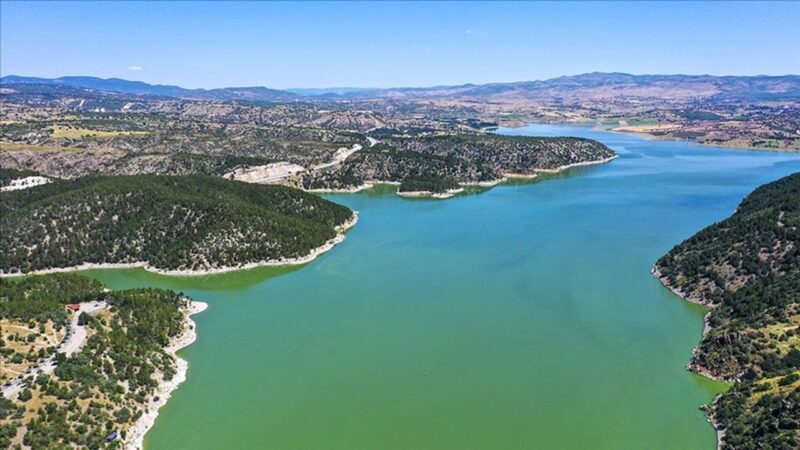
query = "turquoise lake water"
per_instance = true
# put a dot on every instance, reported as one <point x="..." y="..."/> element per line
<point x="524" y="317"/>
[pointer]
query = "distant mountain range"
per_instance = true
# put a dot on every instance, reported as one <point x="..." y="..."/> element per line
<point x="586" y="86"/>
<point x="256" y="93"/>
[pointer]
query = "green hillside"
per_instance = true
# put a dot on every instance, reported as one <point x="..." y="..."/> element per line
<point x="180" y="223"/>
<point x="747" y="268"/>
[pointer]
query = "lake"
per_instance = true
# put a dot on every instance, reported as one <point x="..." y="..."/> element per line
<point x="524" y="317"/>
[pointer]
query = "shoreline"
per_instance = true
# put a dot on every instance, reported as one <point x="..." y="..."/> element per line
<point x="719" y="430"/>
<point x="312" y="255"/>
<point x="450" y="193"/>
<point x="135" y="435"/>
<point x="579" y="164"/>
<point x="490" y="183"/>
<point x="521" y="176"/>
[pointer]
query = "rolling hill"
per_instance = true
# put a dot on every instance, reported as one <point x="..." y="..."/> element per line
<point x="183" y="223"/>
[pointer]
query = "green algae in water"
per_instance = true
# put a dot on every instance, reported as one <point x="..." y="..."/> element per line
<point x="521" y="318"/>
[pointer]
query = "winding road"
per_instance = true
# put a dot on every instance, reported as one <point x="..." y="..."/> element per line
<point x="72" y="342"/>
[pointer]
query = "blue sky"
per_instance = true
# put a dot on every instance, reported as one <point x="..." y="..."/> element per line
<point x="308" y="44"/>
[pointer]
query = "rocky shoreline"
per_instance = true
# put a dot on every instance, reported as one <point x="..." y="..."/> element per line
<point x="135" y="435"/>
<point x="692" y="366"/>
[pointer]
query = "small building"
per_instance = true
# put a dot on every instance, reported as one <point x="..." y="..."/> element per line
<point x="74" y="307"/>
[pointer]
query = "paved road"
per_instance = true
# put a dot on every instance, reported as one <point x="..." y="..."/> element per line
<point x="72" y="342"/>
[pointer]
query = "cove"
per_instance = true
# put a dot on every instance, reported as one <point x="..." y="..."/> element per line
<point x="524" y="317"/>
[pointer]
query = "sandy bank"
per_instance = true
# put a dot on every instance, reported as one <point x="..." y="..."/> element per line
<point x="526" y="176"/>
<point x="312" y="255"/>
<point x="430" y="194"/>
<point x="579" y="164"/>
<point x="135" y="435"/>
<point x="484" y="183"/>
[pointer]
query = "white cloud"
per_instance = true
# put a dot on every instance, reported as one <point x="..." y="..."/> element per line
<point x="135" y="68"/>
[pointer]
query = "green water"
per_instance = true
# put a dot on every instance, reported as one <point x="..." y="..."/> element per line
<point x="524" y="317"/>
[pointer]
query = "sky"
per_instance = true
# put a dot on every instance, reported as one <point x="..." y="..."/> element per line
<point x="395" y="44"/>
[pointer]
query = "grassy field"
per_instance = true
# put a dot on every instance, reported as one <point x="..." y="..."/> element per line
<point x="15" y="336"/>
<point x="68" y="132"/>
<point x="15" y="147"/>
<point x="774" y="387"/>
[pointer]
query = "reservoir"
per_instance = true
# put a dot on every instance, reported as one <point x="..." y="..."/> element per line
<point x="524" y="317"/>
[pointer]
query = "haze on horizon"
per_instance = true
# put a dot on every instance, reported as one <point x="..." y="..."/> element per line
<point x="314" y="45"/>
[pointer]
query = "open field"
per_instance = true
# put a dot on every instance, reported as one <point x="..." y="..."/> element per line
<point x="68" y="132"/>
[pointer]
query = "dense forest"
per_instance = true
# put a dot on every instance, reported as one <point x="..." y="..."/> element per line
<point x="42" y="298"/>
<point x="747" y="268"/>
<point x="521" y="155"/>
<point x="184" y="223"/>
<point x="436" y="185"/>
<point x="465" y="158"/>
<point x="105" y="386"/>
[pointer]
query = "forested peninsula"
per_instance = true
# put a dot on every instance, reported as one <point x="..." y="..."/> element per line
<point x="434" y="164"/>
<point x="747" y="269"/>
<point x="84" y="367"/>
<point x="182" y="225"/>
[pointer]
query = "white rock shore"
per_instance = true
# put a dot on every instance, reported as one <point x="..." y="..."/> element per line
<point x="134" y="439"/>
<point x="580" y="164"/>
<point x="430" y="194"/>
<point x="25" y="183"/>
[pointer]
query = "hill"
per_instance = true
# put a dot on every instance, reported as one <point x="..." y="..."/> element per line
<point x="589" y="85"/>
<point x="747" y="268"/>
<point x="189" y="223"/>
<point x="140" y="88"/>
<point x="733" y="111"/>
<point x="457" y="158"/>
<point x="599" y="85"/>
<point x="515" y="155"/>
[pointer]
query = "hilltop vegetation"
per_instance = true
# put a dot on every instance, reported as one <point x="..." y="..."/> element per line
<point x="521" y="155"/>
<point x="133" y="143"/>
<point x="747" y="268"/>
<point x="436" y="185"/>
<point x="464" y="158"/>
<point x="178" y="223"/>
<point x="105" y="386"/>
<point x="41" y="298"/>
<point x="388" y="164"/>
